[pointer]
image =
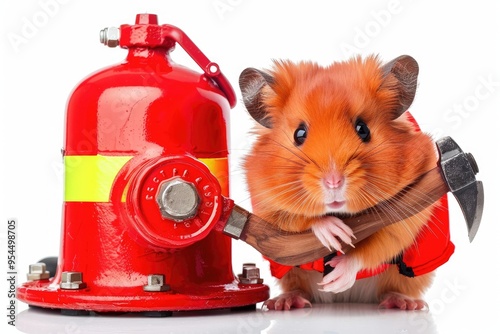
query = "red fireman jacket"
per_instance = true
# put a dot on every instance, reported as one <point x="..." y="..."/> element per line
<point x="431" y="249"/>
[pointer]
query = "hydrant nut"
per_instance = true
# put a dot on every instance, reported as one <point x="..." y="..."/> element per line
<point x="110" y="36"/>
<point x="156" y="284"/>
<point x="72" y="280"/>
<point x="37" y="272"/>
<point x="155" y="280"/>
<point x="70" y="276"/>
<point x="178" y="200"/>
<point x="37" y="268"/>
<point x="250" y="274"/>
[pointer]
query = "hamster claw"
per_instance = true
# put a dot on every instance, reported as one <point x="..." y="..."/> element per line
<point x="344" y="275"/>
<point x="400" y="301"/>
<point x="287" y="301"/>
<point x="329" y="230"/>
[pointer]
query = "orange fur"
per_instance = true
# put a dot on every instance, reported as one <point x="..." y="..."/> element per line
<point x="284" y="179"/>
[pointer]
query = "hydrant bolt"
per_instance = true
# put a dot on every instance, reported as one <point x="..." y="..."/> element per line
<point x="250" y="274"/>
<point x="38" y="271"/>
<point x="72" y="280"/>
<point x="156" y="283"/>
<point x="178" y="200"/>
<point x="110" y="37"/>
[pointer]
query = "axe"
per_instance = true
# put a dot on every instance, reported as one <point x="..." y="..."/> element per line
<point x="454" y="172"/>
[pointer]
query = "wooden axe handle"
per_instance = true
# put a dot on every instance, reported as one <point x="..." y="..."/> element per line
<point x="291" y="248"/>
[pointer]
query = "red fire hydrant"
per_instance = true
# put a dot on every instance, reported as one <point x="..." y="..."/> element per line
<point x="141" y="138"/>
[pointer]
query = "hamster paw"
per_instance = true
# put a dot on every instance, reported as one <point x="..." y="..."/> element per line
<point x="287" y="301"/>
<point x="327" y="230"/>
<point x="402" y="302"/>
<point x="343" y="276"/>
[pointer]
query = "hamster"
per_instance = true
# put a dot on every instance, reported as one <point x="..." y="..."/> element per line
<point x="333" y="141"/>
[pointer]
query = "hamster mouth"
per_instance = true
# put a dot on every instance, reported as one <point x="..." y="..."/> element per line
<point x="335" y="205"/>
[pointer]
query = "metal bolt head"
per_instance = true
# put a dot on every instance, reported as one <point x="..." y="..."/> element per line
<point x="250" y="274"/>
<point x="110" y="37"/>
<point x="156" y="283"/>
<point x="37" y="272"/>
<point x="72" y="280"/>
<point x="472" y="162"/>
<point x="177" y="199"/>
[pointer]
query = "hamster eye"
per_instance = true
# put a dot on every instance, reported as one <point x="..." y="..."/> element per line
<point x="362" y="130"/>
<point x="300" y="134"/>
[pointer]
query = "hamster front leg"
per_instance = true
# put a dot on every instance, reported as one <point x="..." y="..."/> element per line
<point x="343" y="276"/>
<point x="329" y="230"/>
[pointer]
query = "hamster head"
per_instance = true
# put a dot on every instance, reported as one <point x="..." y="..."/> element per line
<point x="333" y="139"/>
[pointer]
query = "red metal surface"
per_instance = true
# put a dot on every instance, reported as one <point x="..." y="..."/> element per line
<point x="165" y="117"/>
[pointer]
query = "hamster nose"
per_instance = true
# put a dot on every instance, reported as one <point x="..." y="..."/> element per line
<point x="333" y="180"/>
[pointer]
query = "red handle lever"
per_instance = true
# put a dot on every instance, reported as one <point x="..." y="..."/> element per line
<point x="147" y="33"/>
<point x="210" y="68"/>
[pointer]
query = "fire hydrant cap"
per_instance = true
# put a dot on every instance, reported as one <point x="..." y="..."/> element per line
<point x="146" y="19"/>
<point x="146" y="32"/>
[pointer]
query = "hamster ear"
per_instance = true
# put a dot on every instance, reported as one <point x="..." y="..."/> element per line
<point x="252" y="82"/>
<point x="405" y="70"/>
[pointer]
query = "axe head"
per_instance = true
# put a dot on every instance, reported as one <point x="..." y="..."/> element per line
<point x="459" y="171"/>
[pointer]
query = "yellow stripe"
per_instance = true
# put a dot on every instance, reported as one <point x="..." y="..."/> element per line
<point x="88" y="178"/>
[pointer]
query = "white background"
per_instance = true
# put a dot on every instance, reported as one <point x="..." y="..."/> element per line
<point x="48" y="46"/>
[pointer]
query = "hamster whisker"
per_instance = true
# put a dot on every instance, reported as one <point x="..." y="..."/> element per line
<point x="270" y="182"/>
<point x="301" y="202"/>
<point x="290" y="187"/>
<point x="391" y="212"/>
<point x="354" y="154"/>
<point x="396" y="218"/>
<point x="310" y="159"/>
<point x="293" y="170"/>
<point x="368" y="153"/>
<point x="301" y="151"/>
<point x="290" y="151"/>
<point x="374" y="195"/>
<point x="292" y="191"/>
<point x="375" y="191"/>
<point x="427" y="228"/>
<point x="371" y="194"/>
<point x="378" y="182"/>
<point x="418" y="196"/>
<point x="272" y="154"/>
<point x="377" y="149"/>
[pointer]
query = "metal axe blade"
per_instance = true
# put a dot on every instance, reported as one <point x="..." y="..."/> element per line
<point x="459" y="170"/>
